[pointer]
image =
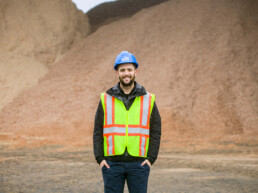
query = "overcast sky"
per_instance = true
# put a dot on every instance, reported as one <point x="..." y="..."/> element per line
<point x="86" y="5"/>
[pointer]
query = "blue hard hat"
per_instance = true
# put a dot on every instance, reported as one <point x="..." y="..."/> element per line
<point x="125" y="57"/>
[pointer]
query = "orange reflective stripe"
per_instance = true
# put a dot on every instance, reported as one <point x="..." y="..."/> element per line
<point x="145" y="146"/>
<point x="113" y="110"/>
<point x="148" y="119"/>
<point x="107" y="145"/>
<point x="144" y="125"/>
<point x="113" y="144"/>
<point x="141" y="110"/>
<point x="114" y="125"/>
<point x="138" y="134"/>
<point x="141" y="126"/>
<point x="143" y="142"/>
<point x="119" y="134"/>
<point x="109" y="109"/>
<point x="140" y="147"/>
<point x="145" y="109"/>
<point x="105" y="101"/>
<point x="110" y="145"/>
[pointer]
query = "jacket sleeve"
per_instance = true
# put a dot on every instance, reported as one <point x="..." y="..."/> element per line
<point x="155" y="134"/>
<point x="98" y="134"/>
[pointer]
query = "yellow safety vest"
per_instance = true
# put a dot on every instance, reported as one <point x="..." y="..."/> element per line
<point x="126" y="128"/>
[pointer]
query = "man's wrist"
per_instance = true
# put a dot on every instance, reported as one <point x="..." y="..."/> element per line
<point x="151" y="160"/>
<point x="99" y="159"/>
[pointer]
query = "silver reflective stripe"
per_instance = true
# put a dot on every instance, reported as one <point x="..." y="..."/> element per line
<point x="142" y="146"/>
<point x="138" y="130"/>
<point x="145" y="109"/>
<point x="109" y="109"/>
<point x="110" y="142"/>
<point x="114" y="130"/>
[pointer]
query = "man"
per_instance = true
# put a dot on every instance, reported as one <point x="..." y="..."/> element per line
<point x="127" y="130"/>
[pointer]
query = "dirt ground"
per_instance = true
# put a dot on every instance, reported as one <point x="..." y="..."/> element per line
<point x="55" y="169"/>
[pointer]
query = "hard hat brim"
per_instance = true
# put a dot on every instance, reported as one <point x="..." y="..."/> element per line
<point x="116" y="66"/>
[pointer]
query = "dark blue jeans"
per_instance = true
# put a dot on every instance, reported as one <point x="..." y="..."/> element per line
<point x="135" y="175"/>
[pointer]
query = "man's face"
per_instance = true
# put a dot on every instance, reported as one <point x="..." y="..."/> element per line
<point x="126" y="74"/>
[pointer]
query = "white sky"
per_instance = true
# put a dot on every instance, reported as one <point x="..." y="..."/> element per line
<point x="86" y="5"/>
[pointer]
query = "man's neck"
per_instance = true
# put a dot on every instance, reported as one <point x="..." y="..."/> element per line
<point x="127" y="89"/>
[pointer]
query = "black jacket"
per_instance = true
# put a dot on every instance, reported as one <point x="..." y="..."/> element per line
<point x="155" y="127"/>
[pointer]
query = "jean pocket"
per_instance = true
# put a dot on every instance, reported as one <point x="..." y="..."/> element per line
<point x="104" y="169"/>
<point x="145" y="166"/>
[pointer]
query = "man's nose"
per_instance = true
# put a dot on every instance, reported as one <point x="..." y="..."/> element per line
<point x="126" y="72"/>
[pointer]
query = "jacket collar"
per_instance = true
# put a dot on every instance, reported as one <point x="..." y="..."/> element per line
<point x="117" y="92"/>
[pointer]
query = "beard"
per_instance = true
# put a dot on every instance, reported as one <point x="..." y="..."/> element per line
<point x="128" y="84"/>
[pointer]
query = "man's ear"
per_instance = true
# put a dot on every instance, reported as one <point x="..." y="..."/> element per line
<point x="117" y="73"/>
<point x="135" y="72"/>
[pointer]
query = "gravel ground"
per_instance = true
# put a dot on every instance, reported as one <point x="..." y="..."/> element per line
<point x="51" y="169"/>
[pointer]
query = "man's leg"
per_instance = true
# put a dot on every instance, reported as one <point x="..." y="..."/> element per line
<point x="137" y="177"/>
<point x="114" y="177"/>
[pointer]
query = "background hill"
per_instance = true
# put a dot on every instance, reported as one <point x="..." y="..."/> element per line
<point x="111" y="11"/>
<point x="199" y="58"/>
<point x="34" y="35"/>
